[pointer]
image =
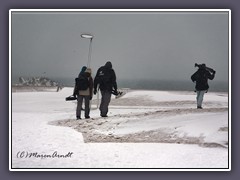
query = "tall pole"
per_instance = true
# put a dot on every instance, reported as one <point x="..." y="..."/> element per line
<point x="89" y="53"/>
<point x="88" y="36"/>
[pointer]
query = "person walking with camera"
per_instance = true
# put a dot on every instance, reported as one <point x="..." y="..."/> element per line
<point x="106" y="80"/>
<point x="201" y="77"/>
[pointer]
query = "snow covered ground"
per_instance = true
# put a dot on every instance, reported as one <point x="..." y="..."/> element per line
<point x="145" y="129"/>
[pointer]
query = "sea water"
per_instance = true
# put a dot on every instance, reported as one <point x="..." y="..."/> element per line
<point x="174" y="85"/>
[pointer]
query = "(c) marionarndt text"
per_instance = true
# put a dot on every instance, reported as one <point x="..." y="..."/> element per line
<point x="55" y="154"/>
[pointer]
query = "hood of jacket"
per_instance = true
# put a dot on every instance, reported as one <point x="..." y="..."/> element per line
<point x="108" y="65"/>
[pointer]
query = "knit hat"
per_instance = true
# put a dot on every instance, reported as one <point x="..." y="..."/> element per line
<point x="88" y="70"/>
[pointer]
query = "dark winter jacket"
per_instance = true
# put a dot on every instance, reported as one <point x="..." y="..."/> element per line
<point x="105" y="78"/>
<point x="201" y="77"/>
<point x="87" y="92"/>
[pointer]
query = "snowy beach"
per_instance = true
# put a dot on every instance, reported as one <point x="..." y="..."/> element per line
<point x="145" y="129"/>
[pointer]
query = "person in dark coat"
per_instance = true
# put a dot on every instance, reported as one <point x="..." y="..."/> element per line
<point x="75" y="92"/>
<point x="201" y="77"/>
<point x="85" y="95"/>
<point x="105" y="80"/>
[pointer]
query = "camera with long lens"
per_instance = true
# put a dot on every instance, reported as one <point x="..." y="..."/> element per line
<point x="203" y="66"/>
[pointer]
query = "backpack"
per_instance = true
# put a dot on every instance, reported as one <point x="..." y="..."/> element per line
<point x="82" y="83"/>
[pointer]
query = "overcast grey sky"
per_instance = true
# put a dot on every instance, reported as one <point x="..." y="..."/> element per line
<point x="148" y="45"/>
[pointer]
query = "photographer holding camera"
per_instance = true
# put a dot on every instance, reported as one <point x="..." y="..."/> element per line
<point x="201" y="77"/>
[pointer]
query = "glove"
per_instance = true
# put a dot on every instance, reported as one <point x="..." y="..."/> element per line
<point x="95" y="91"/>
<point x="115" y="92"/>
<point x="90" y="98"/>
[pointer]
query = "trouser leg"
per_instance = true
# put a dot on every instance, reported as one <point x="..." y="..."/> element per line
<point x="106" y="98"/>
<point x="79" y="106"/>
<point x="87" y="107"/>
<point x="200" y="95"/>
